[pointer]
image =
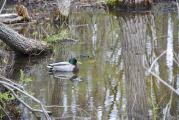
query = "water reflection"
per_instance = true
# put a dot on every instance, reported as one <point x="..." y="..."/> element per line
<point x="169" y="54"/>
<point x="65" y="76"/>
<point x="133" y="49"/>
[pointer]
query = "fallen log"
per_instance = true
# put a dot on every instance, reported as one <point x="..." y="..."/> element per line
<point x="21" y="44"/>
<point x="10" y="18"/>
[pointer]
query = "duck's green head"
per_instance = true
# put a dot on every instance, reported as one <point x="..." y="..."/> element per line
<point x="73" y="61"/>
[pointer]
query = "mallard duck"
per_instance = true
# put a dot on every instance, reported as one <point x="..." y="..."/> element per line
<point x="70" y="66"/>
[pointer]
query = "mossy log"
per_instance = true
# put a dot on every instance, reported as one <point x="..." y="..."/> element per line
<point x="21" y="44"/>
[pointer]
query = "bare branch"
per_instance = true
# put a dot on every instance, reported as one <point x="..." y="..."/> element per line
<point x="5" y="112"/>
<point x="153" y="63"/>
<point x="25" y="104"/>
<point x="162" y="81"/>
<point x="13" y="86"/>
<point x="2" y="6"/>
<point x="12" y="83"/>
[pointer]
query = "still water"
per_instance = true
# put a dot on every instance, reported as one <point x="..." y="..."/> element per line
<point x="117" y="52"/>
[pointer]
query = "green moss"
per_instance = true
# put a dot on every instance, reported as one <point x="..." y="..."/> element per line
<point x="112" y="2"/>
<point x="57" y="37"/>
<point x="6" y="96"/>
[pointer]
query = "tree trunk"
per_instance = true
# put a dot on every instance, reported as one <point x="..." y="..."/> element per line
<point x="134" y="30"/>
<point x="20" y="44"/>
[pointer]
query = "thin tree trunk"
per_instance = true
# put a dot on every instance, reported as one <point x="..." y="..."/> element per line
<point x="20" y="44"/>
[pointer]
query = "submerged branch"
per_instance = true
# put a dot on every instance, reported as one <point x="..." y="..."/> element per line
<point x="149" y="70"/>
<point x="58" y="106"/>
<point x="162" y="81"/>
<point x="153" y="63"/>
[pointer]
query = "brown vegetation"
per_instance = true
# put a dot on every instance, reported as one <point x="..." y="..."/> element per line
<point x="58" y="17"/>
<point x="22" y="11"/>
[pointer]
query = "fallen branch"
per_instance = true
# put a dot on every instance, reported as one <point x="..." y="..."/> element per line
<point x="5" y="112"/>
<point x="158" y="78"/>
<point x="153" y="63"/>
<point x="10" y="18"/>
<point x="20" y="43"/>
<point x="21" y="101"/>
<point x="12" y="83"/>
<point x="162" y="81"/>
<point x="11" y="86"/>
